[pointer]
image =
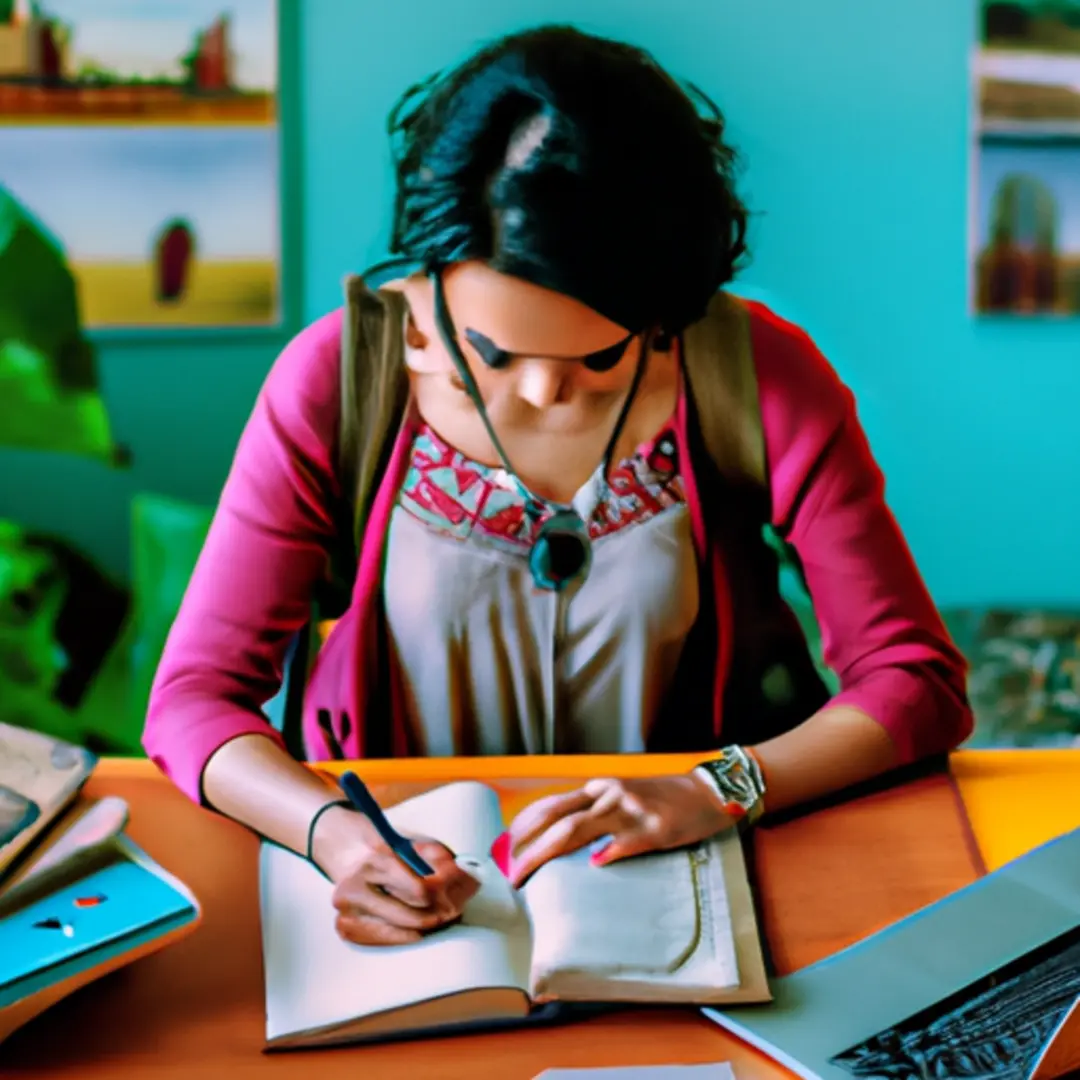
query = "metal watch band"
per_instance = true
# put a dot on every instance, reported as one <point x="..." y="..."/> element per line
<point x="739" y="781"/>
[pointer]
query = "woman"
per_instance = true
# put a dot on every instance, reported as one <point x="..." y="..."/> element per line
<point x="549" y="563"/>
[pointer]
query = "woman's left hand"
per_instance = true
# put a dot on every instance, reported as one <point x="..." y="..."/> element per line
<point x="640" y="816"/>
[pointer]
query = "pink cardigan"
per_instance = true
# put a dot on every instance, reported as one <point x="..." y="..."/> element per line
<point x="267" y="547"/>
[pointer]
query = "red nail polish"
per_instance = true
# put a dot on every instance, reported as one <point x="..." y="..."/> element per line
<point x="598" y="851"/>
<point x="500" y="853"/>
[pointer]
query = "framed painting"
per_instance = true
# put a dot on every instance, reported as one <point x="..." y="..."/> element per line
<point x="1025" y="204"/>
<point x="145" y="140"/>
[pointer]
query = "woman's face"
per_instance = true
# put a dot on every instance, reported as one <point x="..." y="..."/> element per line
<point x="539" y="358"/>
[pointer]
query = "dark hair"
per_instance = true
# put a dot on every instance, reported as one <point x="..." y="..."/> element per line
<point x="576" y="163"/>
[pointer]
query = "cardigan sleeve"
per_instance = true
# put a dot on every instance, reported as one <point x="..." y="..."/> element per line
<point x="881" y="633"/>
<point x="251" y="589"/>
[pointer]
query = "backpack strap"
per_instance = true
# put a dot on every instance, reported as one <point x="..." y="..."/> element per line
<point x="374" y="392"/>
<point x="718" y="359"/>
<point x="374" y="395"/>
<point x="729" y="428"/>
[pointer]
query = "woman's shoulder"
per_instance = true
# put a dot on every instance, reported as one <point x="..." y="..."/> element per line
<point x="796" y="383"/>
<point x="304" y="384"/>
<point x="309" y="365"/>
<point x="784" y="350"/>
<point x="297" y="410"/>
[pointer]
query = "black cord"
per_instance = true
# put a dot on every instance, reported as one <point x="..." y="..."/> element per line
<point x="447" y="332"/>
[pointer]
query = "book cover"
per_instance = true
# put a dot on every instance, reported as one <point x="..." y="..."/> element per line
<point x="39" y="776"/>
<point x="73" y="921"/>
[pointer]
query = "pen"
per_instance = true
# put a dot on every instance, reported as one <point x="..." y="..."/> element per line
<point x="364" y="802"/>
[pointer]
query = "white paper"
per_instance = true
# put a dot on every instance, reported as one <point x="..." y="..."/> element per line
<point x="658" y="927"/>
<point x="719" y="1070"/>
<point x="583" y="919"/>
<point x="465" y="816"/>
<point x="315" y="979"/>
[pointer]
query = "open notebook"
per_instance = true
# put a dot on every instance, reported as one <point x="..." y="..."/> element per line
<point x="678" y="927"/>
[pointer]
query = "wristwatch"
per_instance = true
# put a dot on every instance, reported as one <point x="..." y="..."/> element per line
<point x="737" y="778"/>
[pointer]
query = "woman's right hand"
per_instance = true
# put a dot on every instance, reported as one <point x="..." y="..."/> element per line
<point x="379" y="900"/>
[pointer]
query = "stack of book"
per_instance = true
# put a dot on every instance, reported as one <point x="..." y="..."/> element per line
<point x="78" y="899"/>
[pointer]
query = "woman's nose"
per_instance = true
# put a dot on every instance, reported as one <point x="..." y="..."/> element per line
<point x="542" y="382"/>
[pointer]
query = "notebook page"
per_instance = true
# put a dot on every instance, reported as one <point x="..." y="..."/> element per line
<point x="653" y="928"/>
<point x="465" y="816"/>
<point x="720" y="1070"/>
<point x="315" y="980"/>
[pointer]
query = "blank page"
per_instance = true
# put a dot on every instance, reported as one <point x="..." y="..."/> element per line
<point x="656" y="928"/>
<point x="465" y="816"/>
<point x="719" y="1070"/>
<point x="315" y="980"/>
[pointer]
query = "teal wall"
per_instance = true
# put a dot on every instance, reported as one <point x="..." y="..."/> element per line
<point x="853" y="120"/>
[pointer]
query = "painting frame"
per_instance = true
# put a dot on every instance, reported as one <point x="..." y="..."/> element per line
<point x="1023" y="227"/>
<point x="285" y="317"/>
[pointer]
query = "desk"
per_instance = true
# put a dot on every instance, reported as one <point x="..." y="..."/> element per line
<point x="197" y="1008"/>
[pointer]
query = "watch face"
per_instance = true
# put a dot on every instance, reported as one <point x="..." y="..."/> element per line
<point x="735" y="781"/>
<point x="727" y="768"/>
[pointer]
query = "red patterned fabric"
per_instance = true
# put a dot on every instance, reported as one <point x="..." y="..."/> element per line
<point x="460" y="497"/>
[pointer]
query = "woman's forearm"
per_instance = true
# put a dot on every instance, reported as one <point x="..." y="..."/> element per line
<point x="254" y="781"/>
<point x="837" y="747"/>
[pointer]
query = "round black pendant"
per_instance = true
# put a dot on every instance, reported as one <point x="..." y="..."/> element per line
<point x="562" y="552"/>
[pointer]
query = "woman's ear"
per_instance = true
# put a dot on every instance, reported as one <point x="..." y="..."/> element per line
<point x="414" y="337"/>
<point x="420" y="299"/>
<point x="424" y="352"/>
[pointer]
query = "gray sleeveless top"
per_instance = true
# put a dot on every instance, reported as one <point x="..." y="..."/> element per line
<point x="491" y="664"/>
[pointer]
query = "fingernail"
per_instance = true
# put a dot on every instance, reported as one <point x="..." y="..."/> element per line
<point x="500" y="854"/>
<point x="597" y="850"/>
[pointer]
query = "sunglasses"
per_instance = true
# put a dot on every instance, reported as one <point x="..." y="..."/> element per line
<point x="496" y="358"/>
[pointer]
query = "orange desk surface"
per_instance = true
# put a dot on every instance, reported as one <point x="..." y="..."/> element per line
<point x="1018" y="799"/>
<point x="1015" y="801"/>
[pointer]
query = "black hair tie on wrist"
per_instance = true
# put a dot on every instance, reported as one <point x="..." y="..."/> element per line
<point x="315" y="821"/>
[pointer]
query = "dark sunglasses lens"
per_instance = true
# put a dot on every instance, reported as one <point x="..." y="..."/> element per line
<point x="606" y="359"/>
<point x="493" y="357"/>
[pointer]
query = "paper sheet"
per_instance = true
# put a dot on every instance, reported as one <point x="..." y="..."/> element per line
<point x="314" y="979"/>
<point x="678" y="946"/>
<point x="719" y="1070"/>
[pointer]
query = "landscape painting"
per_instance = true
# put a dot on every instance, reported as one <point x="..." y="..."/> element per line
<point x="1025" y="212"/>
<point x="143" y="136"/>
